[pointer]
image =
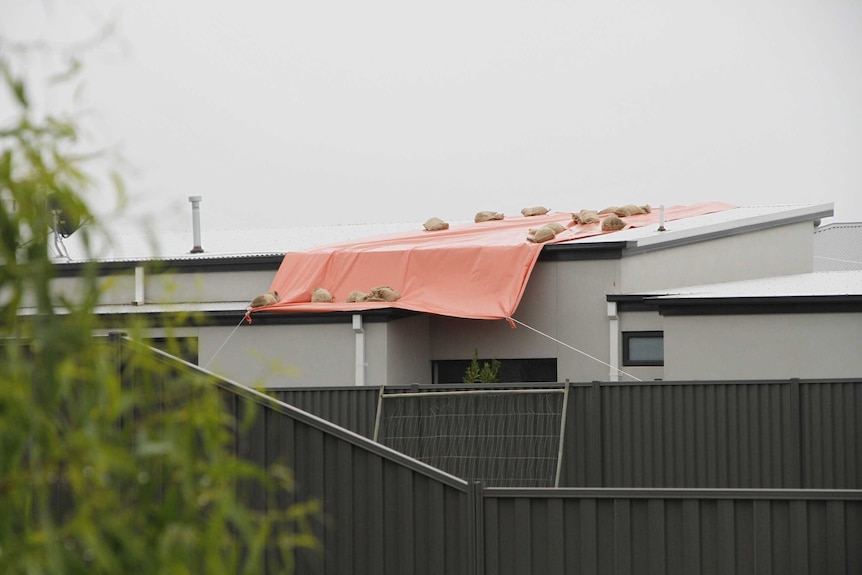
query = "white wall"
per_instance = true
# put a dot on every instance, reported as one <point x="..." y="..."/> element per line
<point x="119" y="288"/>
<point x="568" y="300"/>
<point x="408" y="351"/>
<point x="282" y="355"/>
<point x="564" y="301"/>
<point x="206" y="287"/>
<point x="641" y="321"/>
<point x="777" y="346"/>
<point x="766" y="253"/>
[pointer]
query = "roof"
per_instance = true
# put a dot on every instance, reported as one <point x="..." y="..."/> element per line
<point x="741" y="219"/>
<point x="146" y="245"/>
<point x="242" y="244"/>
<point x="838" y="247"/>
<point x="837" y="291"/>
<point x="475" y="271"/>
<point x="816" y="284"/>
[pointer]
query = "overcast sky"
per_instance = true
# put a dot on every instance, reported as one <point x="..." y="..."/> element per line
<point x="281" y="113"/>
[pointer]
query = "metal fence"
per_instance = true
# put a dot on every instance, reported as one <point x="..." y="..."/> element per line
<point x="386" y="513"/>
<point x="670" y="532"/>
<point x="735" y="434"/>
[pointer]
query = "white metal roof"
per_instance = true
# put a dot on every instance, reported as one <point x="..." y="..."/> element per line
<point x="822" y="284"/>
<point x="234" y="243"/>
<point x="838" y="247"/>
<point x="240" y="243"/>
<point x="715" y="223"/>
<point x="112" y="309"/>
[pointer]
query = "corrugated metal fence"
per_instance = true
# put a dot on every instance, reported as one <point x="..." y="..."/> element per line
<point x="659" y="532"/>
<point x="737" y="434"/>
<point x="386" y="513"/>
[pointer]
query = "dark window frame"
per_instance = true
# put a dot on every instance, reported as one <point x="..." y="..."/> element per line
<point x="630" y="335"/>
<point x="537" y="370"/>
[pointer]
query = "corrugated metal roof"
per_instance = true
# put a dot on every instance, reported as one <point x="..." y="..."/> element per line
<point x="725" y="221"/>
<point x="220" y="244"/>
<point x="840" y="283"/>
<point x="244" y="243"/>
<point x="838" y="247"/>
<point x="188" y="307"/>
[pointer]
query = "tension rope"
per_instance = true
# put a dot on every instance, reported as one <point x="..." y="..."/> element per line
<point x="564" y="344"/>
<point x="225" y="342"/>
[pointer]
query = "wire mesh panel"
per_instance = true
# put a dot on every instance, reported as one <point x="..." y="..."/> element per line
<point x="503" y="438"/>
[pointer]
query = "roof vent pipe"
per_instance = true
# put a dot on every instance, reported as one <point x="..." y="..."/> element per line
<point x="661" y="227"/>
<point x="196" y="224"/>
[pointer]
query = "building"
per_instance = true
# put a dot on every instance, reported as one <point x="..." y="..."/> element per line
<point x="573" y="322"/>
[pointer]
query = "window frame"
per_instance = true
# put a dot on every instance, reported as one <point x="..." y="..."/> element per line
<point x="627" y="336"/>
<point x="548" y="365"/>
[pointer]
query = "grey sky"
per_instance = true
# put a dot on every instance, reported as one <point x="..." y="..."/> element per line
<point x="282" y="113"/>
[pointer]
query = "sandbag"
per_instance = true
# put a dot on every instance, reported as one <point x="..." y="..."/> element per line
<point x="586" y="217"/>
<point x="612" y="223"/>
<point x="628" y="210"/>
<point x="356" y="296"/>
<point x="435" y="225"/>
<point x="321" y="295"/>
<point x="541" y="234"/>
<point x="486" y="216"/>
<point x="535" y="211"/>
<point x="384" y="293"/>
<point x="263" y="299"/>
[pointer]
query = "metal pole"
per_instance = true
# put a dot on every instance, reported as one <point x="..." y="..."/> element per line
<point x="563" y="419"/>
<point x="379" y="412"/>
<point x="196" y="224"/>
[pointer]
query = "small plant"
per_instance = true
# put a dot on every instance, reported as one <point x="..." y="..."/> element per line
<point x="487" y="373"/>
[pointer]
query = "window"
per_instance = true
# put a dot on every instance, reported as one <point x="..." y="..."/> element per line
<point x="643" y="348"/>
<point x="186" y="348"/>
<point x="511" y="370"/>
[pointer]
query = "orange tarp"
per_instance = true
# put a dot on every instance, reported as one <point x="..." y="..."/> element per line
<point x="476" y="270"/>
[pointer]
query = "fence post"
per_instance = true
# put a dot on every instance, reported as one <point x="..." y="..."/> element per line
<point x="594" y="461"/>
<point x="476" y="528"/>
<point x="379" y="413"/>
<point x="563" y="417"/>
<point x="797" y="474"/>
<point x="115" y="339"/>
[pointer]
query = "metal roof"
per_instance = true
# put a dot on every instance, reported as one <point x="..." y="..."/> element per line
<point x="744" y="218"/>
<point x="815" y="284"/>
<point x="222" y="244"/>
<point x="119" y="246"/>
<point x="838" y="247"/>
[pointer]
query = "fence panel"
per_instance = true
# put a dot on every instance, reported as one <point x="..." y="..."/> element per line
<point x="831" y="430"/>
<point x="352" y="408"/>
<point x="383" y="512"/>
<point x="670" y="532"/>
<point x="697" y="435"/>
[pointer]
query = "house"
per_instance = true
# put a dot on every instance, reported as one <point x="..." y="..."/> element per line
<point x="793" y="326"/>
<point x="566" y="327"/>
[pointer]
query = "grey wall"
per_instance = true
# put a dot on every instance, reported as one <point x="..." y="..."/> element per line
<point x="804" y="345"/>
<point x="282" y="355"/>
<point x="772" y="252"/>
<point x="408" y="351"/>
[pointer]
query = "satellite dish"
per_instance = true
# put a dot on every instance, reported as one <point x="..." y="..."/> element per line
<point x="65" y="222"/>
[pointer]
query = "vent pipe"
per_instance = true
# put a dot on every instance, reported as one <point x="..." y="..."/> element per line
<point x="196" y="224"/>
<point x="661" y="227"/>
